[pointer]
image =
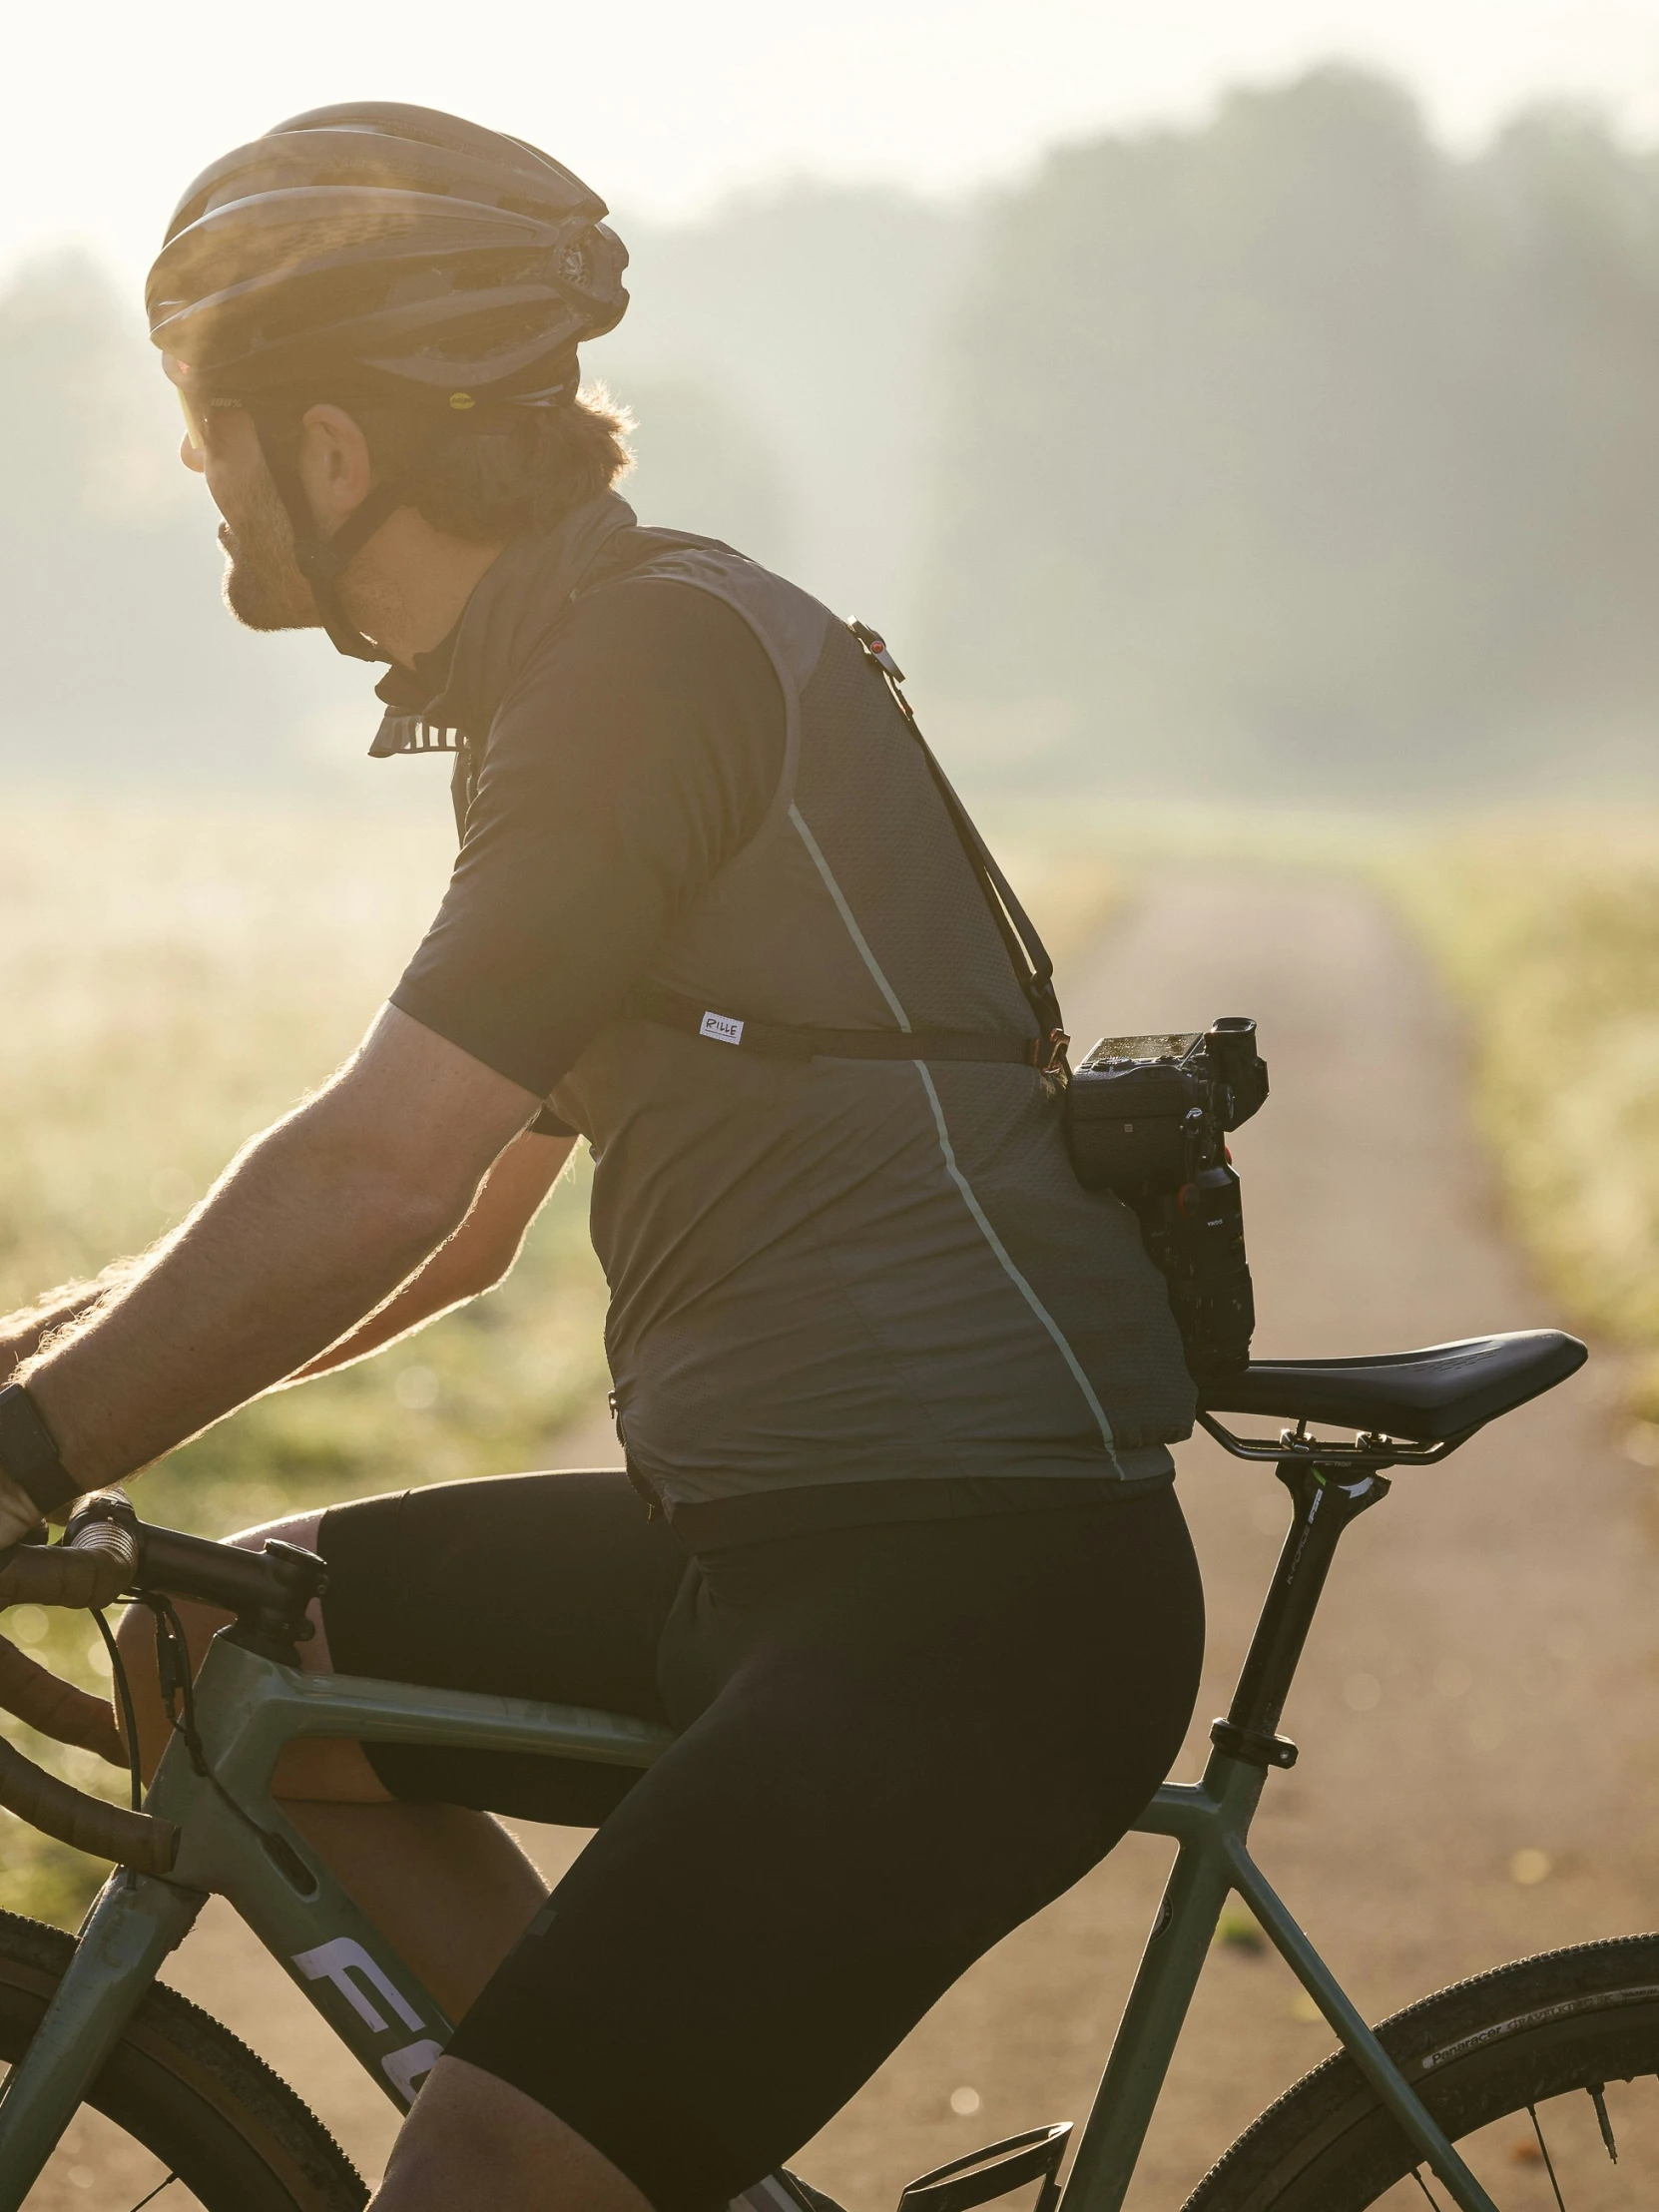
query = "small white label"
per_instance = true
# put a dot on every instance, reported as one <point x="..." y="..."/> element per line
<point x="723" y="1028"/>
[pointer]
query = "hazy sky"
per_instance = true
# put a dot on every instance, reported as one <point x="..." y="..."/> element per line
<point x="663" y="106"/>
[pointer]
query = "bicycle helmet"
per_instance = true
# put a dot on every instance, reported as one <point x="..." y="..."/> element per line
<point x="379" y="252"/>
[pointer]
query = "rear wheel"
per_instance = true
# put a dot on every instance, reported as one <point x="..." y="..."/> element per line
<point x="1543" y="2074"/>
<point x="182" y="2115"/>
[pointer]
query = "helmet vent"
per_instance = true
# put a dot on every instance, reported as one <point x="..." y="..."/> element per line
<point x="379" y="248"/>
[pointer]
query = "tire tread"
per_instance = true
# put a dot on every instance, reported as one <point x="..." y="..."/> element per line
<point x="166" y="2022"/>
<point x="1236" y="2181"/>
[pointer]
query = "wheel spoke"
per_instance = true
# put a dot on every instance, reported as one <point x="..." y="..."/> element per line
<point x="1543" y="2149"/>
<point x="1598" y="2097"/>
<point x="155" y="2192"/>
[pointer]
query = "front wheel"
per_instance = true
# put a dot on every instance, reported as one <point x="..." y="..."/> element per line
<point x="1542" y="2073"/>
<point x="182" y="2115"/>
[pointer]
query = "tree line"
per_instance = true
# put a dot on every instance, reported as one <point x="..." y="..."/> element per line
<point x="1293" y="452"/>
<point x="1285" y="453"/>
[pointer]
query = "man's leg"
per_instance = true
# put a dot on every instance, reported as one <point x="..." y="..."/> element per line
<point x="476" y="2144"/>
<point x="471" y="2141"/>
<point x="446" y="1884"/>
<point x="911" y="1737"/>
<point x="449" y="1888"/>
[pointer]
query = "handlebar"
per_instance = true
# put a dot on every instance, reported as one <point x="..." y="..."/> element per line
<point x="56" y="1708"/>
<point x="84" y="1822"/>
<point x="94" y="1564"/>
<point x="105" y="1552"/>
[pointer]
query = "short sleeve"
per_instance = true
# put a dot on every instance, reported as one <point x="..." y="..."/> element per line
<point x="632" y="758"/>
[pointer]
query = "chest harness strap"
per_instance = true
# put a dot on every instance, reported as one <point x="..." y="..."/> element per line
<point x="774" y="1041"/>
<point x="1027" y="954"/>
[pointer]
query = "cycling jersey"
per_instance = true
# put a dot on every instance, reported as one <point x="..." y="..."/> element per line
<point x="826" y="1275"/>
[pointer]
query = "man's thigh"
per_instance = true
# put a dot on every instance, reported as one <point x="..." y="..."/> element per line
<point x="890" y="1778"/>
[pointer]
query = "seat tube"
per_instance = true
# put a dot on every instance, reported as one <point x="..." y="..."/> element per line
<point x="1325" y="1506"/>
<point x="1151" y="2025"/>
<point x="137" y="1919"/>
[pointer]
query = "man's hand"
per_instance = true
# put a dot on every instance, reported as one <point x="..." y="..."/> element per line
<point x="310" y="1229"/>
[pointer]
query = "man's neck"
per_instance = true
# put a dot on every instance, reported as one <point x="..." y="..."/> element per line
<point x="407" y="587"/>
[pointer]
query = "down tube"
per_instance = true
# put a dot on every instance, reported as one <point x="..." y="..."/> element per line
<point x="1151" y="2024"/>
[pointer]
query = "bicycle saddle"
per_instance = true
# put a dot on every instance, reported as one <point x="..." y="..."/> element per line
<point x="1421" y="1398"/>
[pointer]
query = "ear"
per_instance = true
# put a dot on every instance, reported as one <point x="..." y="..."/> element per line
<point x="335" y="465"/>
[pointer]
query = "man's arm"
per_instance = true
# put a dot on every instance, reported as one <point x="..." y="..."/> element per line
<point x="24" y="1331"/>
<point x="310" y="1229"/>
<point x="474" y="1258"/>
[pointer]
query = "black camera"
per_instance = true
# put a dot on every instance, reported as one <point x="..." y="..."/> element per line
<point x="1147" y="1118"/>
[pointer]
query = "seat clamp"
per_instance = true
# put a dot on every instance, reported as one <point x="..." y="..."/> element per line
<point x="1250" y="1745"/>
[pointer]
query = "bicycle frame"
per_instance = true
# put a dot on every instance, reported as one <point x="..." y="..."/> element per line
<point x="236" y="1842"/>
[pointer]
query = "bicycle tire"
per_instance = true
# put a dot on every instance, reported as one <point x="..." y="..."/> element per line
<point x="1555" y="2025"/>
<point x="187" y="2090"/>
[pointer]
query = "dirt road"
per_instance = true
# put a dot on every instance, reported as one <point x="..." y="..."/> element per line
<point x="1483" y="1682"/>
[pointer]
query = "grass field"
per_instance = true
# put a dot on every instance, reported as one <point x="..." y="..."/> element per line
<point x="175" y="980"/>
<point x="177" y="977"/>
<point x="174" y="984"/>
<point x="1548" y="932"/>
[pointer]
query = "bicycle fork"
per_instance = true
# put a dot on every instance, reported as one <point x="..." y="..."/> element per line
<point x="234" y="1842"/>
<point x="135" y="1921"/>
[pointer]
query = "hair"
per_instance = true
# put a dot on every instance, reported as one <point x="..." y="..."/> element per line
<point x="504" y="476"/>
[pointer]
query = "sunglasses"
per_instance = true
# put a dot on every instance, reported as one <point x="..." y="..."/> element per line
<point x="197" y="407"/>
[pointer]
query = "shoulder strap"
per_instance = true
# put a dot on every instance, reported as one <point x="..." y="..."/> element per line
<point x="1027" y="954"/>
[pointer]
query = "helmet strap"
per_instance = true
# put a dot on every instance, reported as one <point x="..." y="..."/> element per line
<point x="323" y="561"/>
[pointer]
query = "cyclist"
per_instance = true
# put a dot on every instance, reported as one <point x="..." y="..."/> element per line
<point x="897" y="1552"/>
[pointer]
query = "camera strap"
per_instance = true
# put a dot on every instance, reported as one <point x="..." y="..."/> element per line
<point x="1027" y="954"/>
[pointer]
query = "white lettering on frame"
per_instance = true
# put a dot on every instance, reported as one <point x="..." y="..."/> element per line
<point x="338" y="1962"/>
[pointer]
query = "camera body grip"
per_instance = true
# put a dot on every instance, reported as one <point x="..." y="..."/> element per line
<point x="1147" y="1118"/>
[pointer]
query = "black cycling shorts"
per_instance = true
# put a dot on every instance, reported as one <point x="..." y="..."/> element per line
<point x="895" y="1744"/>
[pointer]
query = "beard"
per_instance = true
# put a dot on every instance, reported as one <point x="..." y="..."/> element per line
<point x="263" y="587"/>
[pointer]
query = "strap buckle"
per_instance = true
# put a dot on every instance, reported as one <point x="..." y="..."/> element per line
<point x="1058" y="1044"/>
<point x="877" y="647"/>
<point x="1256" y="1746"/>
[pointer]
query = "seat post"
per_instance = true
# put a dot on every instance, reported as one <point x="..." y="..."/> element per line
<point x="1324" y="1505"/>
